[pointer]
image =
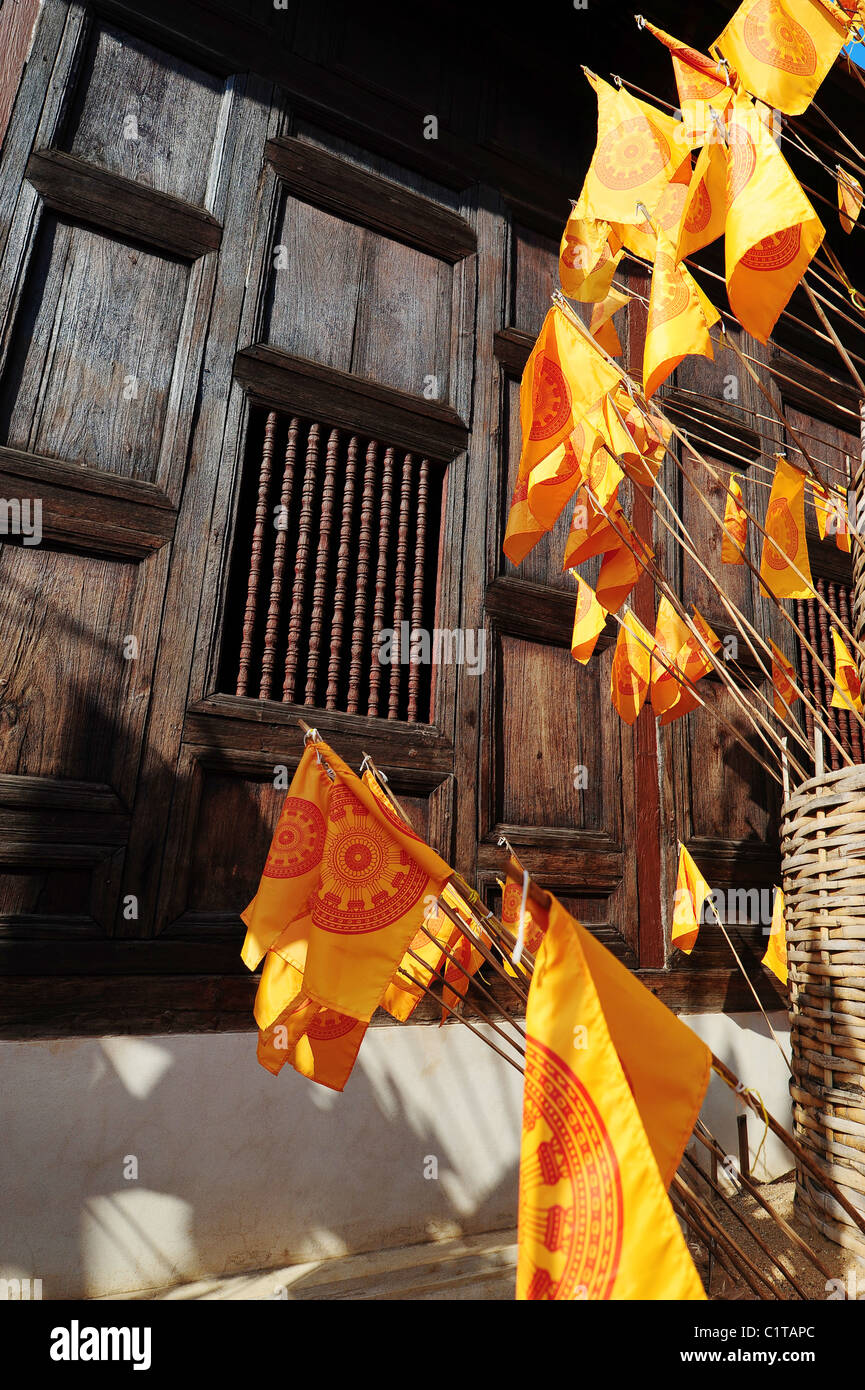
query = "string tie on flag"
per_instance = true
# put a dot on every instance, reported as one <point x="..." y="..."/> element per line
<point x="517" y="953"/>
<point x="641" y="23"/>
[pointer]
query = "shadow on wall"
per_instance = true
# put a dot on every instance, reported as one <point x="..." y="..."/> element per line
<point x="134" y="1163"/>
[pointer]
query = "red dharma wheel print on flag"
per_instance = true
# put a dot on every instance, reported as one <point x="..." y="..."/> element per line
<point x="784" y="534"/>
<point x="368" y="880"/>
<point x="571" y="1208"/>
<point x="513" y="894"/>
<point x="697" y="217"/>
<point x="775" y="251"/>
<point x="669" y="292"/>
<point x="298" y="841"/>
<point x="631" y="155"/>
<point x="551" y="399"/>
<point x="741" y="160"/>
<point x="629" y="683"/>
<point x="775" y="38"/>
<point x="328" y="1025"/>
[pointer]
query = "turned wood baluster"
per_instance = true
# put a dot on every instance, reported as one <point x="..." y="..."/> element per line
<point x="272" y="631"/>
<point x="819" y="680"/>
<point x="824" y="646"/>
<point x="399" y="584"/>
<point x="856" y="728"/>
<point x="806" y="669"/>
<point x="843" y="716"/>
<point x="319" y="590"/>
<point x="258" y="533"/>
<point x="360" y="607"/>
<point x="304" y="545"/>
<point x="343" y="561"/>
<point x="380" y="580"/>
<point x="417" y="614"/>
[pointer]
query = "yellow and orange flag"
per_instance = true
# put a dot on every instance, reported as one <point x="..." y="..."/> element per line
<point x="552" y="483"/>
<point x="589" y="253"/>
<point x="775" y="958"/>
<point x="589" y="620"/>
<point x="321" y="1044"/>
<point x="847" y="692"/>
<point x="673" y="695"/>
<point x="613" y="1086"/>
<point x="692" y="890"/>
<point x="772" y="231"/>
<point x="736" y="523"/>
<point x="680" y="317"/>
<point x="784" y="693"/>
<point x="631" y="668"/>
<point x="639" y="149"/>
<point x="621" y="568"/>
<point x="832" y="515"/>
<point x="671" y="634"/>
<point x="783" y="49"/>
<point x="785" y="544"/>
<point x="602" y="328"/>
<point x="412" y="977"/>
<point x="849" y="199"/>
<point x="701" y="82"/>
<point x="523" y="530"/>
<point x="373" y="882"/>
<point x="704" y="215"/>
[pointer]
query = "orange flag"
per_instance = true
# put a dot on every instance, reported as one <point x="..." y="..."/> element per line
<point x="293" y="860"/>
<point x="701" y="82"/>
<point x="772" y="231"/>
<point x="832" y="517"/>
<point x="692" y="890"/>
<point x="849" y="199"/>
<point x="783" y="49"/>
<point x="736" y="522"/>
<point x="553" y="482"/>
<point x="847" y="692"/>
<point x="784" y="544"/>
<point x="671" y="634"/>
<point x="621" y="568"/>
<point x="642" y="239"/>
<point x="594" y="531"/>
<point x="630" y="672"/>
<point x="320" y="1044"/>
<point x="523" y="530"/>
<point x="694" y="662"/>
<point x="535" y="921"/>
<point x="775" y="958"/>
<point x="638" y="151"/>
<point x="602" y="328"/>
<point x="603" y="476"/>
<point x="589" y="254"/>
<point x="403" y="995"/>
<point x="680" y="317"/>
<point x="589" y="620"/>
<point x="705" y="212"/>
<point x="613" y="1086"/>
<point x="784" y="693"/>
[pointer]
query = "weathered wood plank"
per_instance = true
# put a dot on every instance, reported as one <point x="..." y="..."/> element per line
<point x="120" y="205"/>
<point x="370" y="200"/>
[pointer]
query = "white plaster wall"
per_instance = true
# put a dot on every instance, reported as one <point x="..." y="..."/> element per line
<point x="239" y="1170"/>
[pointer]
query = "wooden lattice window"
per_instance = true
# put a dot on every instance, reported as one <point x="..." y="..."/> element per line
<point x="337" y="540"/>
<point x="814" y="621"/>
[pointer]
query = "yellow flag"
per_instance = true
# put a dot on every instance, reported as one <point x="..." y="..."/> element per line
<point x="553" y="482"/>
<point x="693" y="661"/>
<point x="642" y="239"/>
<point x="671" y="634"/>
<point x="736" y="522"/>
<point x="782" y="49"/>
<point x="638" y="150"/>
<point x="630" y="672"/>
<point x="589" y="620"/>
<point x="613" y="1086"/>
<point x="692" y="890"/>
<point x="621" y="568"/>
<point x="784" y="543"/>
<point x="293" y="860"/>
<point x="594" y="530"/>
<point x="784" y="692"/>
<point x="832" y="517"/>
<point x="320" y="1044"/>
<point x="772" y="231"/>
<point x="403" y="994"/>
<point x="847" y="692"/>
<point x="849" y="199"/>
<point x="602" y="328"/>
<point x="523" y="529"/>
<point x="603" y="477"/>
<point x="702" y="82"/>
<point x="775" y="958"/>
<point x="679" y="319"/>
<point x="588" y="257"/>
<point x="704" y="215"/>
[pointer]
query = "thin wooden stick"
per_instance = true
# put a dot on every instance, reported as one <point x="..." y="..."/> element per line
<point x="747" y="980"/>
<point x="747" y="1268"/>
<point x="464" y="1021"/>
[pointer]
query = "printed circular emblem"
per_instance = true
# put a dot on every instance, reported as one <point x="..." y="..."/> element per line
<point x="671" y="206"/>
<point x="669" y="292"/>
<point x="298" y="841"/>
<point x="551" y="399"/>
<point x="328" y="1024"/>
<point x="367" y="879"/>
<point x="629" y="682"/>
<point x="631" y="154"/>
<point x="700" y="210"/>
<point x="570" y="1204"/>
<point x="741" y="160"/>
<point x="584" y="607"/>
<point x="775" y="251"/>
<point x="785" y="534"/>
<point x="774" y="37"/>
<point x="567" y="468"/>
<point x="521" y="491"/>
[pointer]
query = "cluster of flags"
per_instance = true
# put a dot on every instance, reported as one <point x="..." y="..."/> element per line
<point x="349" y="916"/>
<point x="584" y="428"/>
<point x="691" y="895"/>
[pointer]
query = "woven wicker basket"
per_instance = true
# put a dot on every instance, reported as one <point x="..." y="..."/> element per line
<point x="823" y="866"/>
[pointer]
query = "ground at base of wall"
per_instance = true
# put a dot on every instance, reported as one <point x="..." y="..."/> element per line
<point x="471" y="1268"/>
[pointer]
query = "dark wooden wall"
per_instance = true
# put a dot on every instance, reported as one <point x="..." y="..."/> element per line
<point x="280" y="253"/>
